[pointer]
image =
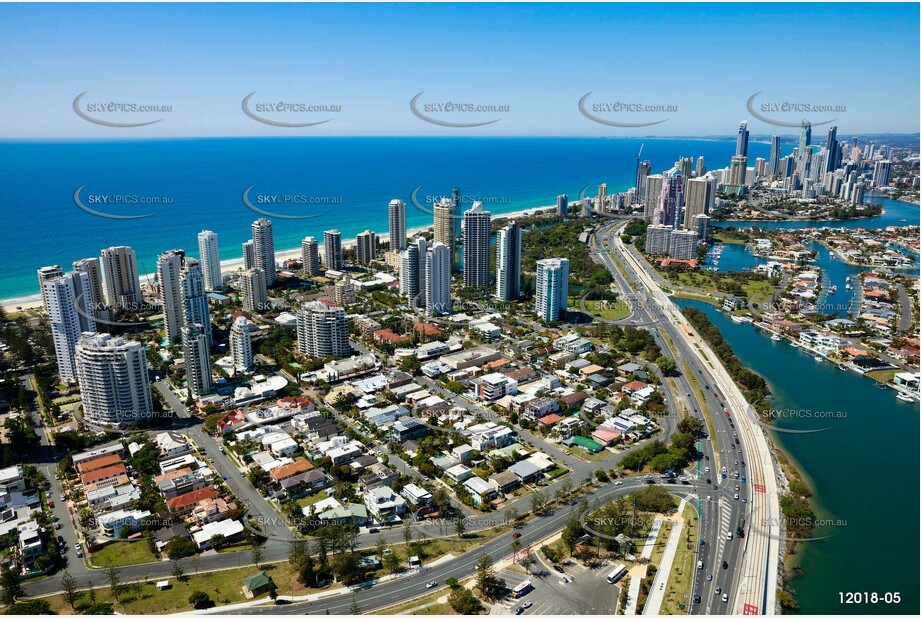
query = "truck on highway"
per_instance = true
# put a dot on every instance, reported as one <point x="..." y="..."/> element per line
<point x="615" y="575"/>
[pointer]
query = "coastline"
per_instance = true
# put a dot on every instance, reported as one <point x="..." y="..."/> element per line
<point x="233" y="265"/>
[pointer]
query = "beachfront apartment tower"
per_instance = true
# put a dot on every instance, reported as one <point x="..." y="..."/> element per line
<point x="445" y="217"/>
<point x="249" y="255"/>
<point x="210" y="260"/>
<point x="46" y="273"/>
<point x="94" y="299"/>
<point x="562" y="205"/>
<point x="332" y="249"/>
<point x="310" y="256"/>
<point x="669" y="205"/>
<point x="552" y="288"/>
<point x="366" y="245"/>
<point x="121" y="283"/>
<point x="698" y="196"/>
<point x="651" y="195"/>
<point x="508" y="262"/>
<point x="264" y="249"/>
<point x="396" y="216"/>
<point x="112" y="373"/>
<point x="477" y="230"/>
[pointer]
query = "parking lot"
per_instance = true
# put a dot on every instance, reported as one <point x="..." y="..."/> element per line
<point x="586" y="591"/>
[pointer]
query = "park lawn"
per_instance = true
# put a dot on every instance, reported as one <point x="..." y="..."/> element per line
<point x="584" y="455"/>
<point x="682" y="575"/>
<point x="123" y="554"/>
<point x="224" y="587"/>
<point x="606" y="310"/>
<point x="759" y="292"/>
<point x="694" y="280"/>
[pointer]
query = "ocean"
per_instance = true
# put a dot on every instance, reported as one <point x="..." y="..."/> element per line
<point x="342" y="183"/>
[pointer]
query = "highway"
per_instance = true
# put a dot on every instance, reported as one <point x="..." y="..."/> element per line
<point x="751" y="580"/>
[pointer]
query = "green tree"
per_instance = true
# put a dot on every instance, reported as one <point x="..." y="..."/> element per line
<point x="12" y="589"/>
<point x="200" y="600"/>
<point x="69" y="586"/>
<point x="256" y="554"/>
<point x="114" y="577"/>
<point x="464" y="602"/>
<point x="485" y="575"/>
<point x="571" y="533"/>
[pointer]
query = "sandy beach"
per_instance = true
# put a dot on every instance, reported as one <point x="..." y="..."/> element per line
<point x="231" y="266"/>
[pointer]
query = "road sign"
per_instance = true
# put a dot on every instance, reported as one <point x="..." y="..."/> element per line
<point x="749" y="610"/>
<point x="759" y="489"/>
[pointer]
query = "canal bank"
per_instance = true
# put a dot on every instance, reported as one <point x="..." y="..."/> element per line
<point x="861" y="467"/>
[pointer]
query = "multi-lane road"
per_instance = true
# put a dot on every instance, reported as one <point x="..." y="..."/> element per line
<point x="751" y="579"/>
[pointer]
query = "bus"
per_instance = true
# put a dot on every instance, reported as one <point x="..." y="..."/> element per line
<point x="522" y="589"/>
<point x="615" y="575"/>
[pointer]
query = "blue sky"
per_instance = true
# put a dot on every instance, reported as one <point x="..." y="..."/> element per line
<point x="537" y="59"/>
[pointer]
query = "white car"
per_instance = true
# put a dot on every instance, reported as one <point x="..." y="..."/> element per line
<point x="729" y="537"/>
<point x="431" y="584"/>
<point x="618" y="483"/>
<point x="725" y="598"/>
<point x="63" y="498"/>
<point x="736" y="496"/>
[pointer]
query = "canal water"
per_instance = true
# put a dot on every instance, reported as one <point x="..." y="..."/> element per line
<point x="863" y="468"/>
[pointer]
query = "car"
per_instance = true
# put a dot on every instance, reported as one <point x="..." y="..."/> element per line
<point x="60" y="539"/>
<point x="725" y="564"/>
<point x="62" y="498"/>
<point x="735" y="496"/>
<point x="616" y="483"/>
<point x="737" y="441"/>
<point x="58" y="526"/>
<point x="703" y="542"/>
<point x="738" y="488"/>
<point x="707" y="469"/>
<point x="709" y="577"/>
<point x="79" y="554"/>
<point x="697" y="598"/>
<point x="558" y="568"/>
<point x="516" y="535"/>
<point x="744" y="499"/>
<point x="431" y="584"/>
<point x="733" y="446"/>
<point x="729" y="537"/>
<point x="743" y="463"/>
<point x="737" y="462"/>
<point x="50" y="504"/>
<point x="518" y="610"/>
<point x="373" y="530"/>
<point x="718" y="590"/>
<point x="725" y="598"/>
<point x="706" y="386"/>
<point x="700" y="564"/>
<point x="527" y="604"/>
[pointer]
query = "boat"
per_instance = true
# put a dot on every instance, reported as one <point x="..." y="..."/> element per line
<point x="842" y="368"/>
<point x="847" y="286"/>
<point x="880" y="386"/>
<point x="905" y="397"/>
<point x="775" y="337"/>
<point x="818" y="359"/>
<point x="847" y="279"/>
<point x="737" y="319"/>
<point x="794" y="344"/>
<point x="832" y="290"/>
